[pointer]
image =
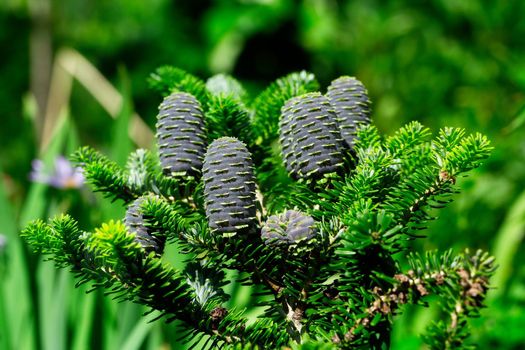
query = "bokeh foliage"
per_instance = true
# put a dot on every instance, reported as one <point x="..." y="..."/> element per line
<point x="443" y="62"/>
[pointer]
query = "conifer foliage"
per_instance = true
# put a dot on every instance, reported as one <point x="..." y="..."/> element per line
<point x="297" y="191"/>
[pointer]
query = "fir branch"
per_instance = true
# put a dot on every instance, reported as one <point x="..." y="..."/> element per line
<point x="146" y="280"/>
<point x="432" y="183"/>
<point x="60" y="240"/>
<point x="410" y="200"/>
<point x="112" y="259"/>
<point x="168" y="220"/>
<point x="465" y="156"/>
<point x="433" y="275"/>
<point x="255" y="258"/>
<point x="274" y="183"/>
<point x="370" y="181"/>
<point x="322" y="266"/>
<point x="140" y="164"/>
<point x="104" y="175"/>
<point x="360" y="261"/>
<point x="463" y="299"/>
<point x="227" y="116"/>
<point x="241" y="255"/>
<point x="407" y="139"/>
<point x="368" y="137"/>
<point x="169" y="79"/>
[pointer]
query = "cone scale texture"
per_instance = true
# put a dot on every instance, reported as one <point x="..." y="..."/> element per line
<point x="311" y="144"/>
<point x="229" y="187"/>
<point x="181" y="135"/>
<point x="286" y="139"/>
<point x="349" y="98"/>
<point x="288" y="228"/>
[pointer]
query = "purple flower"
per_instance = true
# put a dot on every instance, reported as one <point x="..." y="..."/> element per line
<point x="3" y="242"/>
<point x="64" y="175"/>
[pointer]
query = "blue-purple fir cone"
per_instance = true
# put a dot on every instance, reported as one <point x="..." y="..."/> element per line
<point x="288" y="228"/>
<point x="229" y="188"/>
<point x="311" y="144"/>
<point x="181" y="135"/>
<point x="349" y="98"/>
<point x="286" y="127"/>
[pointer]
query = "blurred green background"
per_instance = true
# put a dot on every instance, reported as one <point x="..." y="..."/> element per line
<point x="74" y="72"/>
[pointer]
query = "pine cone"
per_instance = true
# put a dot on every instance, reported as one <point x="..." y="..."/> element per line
<point x="229" y="187"/>
<point x="181" y="135"/>
<point x="286" y="140"/>
<point x="288" y="228"/>
<point x="349" y="98"/>
<point x="134" y="221"/>
<point x="310" y="140"/>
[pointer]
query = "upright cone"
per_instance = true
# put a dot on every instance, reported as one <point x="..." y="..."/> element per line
<point x="181" y="135"/>
<point x="349" y="98"/>
<point x="229" y="187"/>
<point x="311" y="143"/>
